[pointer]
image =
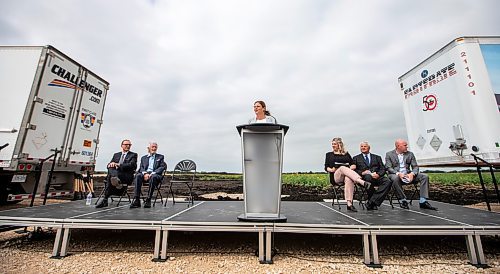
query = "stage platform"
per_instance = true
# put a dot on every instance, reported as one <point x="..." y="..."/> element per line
<point x="302" y="217"/>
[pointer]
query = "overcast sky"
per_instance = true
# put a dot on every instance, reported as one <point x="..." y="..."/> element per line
<point x="185" y="73"/>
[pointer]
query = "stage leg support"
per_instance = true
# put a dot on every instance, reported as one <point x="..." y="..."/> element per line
<point x="164" y="245"/>
<point x="366" y="249"/>
<point x="479" y="249"/>
<point x="160" y="252"/>
<point x="370" y="243"/>
<point x="475" y="251"/>
<point x="471" y="249"/>
<point x="261" y="246"/>
<point x="268" y="253"/>
<point x="265" y="247"/>
<point x="57" y="244"/>
<point x="65" y="242"/>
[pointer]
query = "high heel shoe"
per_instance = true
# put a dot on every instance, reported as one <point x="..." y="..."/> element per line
<point x="352" y="208"/>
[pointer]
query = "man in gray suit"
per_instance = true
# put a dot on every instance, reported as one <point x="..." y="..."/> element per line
<point x="402" y="168"/>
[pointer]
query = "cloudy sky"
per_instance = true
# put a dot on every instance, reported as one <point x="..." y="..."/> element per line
<point x="185" y="73"/>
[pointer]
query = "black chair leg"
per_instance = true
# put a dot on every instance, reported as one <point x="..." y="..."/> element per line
<point x="102" y="194"/>
<point x="158" y="193"/>
<point x="172" y="193"/>
<point x="191" y="199"/>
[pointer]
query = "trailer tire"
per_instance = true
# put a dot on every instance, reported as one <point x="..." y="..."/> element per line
<point x="3" y="193"/>
<point x="7" y="188"/>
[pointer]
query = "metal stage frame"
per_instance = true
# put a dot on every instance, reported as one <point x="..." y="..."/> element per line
<point x="303" y="217"/>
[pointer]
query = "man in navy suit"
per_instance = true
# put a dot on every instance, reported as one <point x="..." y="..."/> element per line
<point x="151" y="170"/>
<point x="121" y="170"/>
<point x="371" y="168"/>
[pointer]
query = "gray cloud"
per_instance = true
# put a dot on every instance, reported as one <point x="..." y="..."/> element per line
<point x="185" y="73"/>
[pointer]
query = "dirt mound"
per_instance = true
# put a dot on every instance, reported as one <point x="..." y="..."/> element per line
<point x="463" y="194"/>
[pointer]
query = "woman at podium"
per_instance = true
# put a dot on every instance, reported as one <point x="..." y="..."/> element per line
<point x="341" y="167"/>
<point x="262" y="115"/>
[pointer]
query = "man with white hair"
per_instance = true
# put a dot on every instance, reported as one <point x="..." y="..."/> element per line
<point x="371" y="168"/>
<point x="402" y="168"/>
<point x="151" y="170"/>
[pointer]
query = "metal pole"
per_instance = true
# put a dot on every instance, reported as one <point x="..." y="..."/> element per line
<point x="38" y="176"/>
<point x="47" y="186"/>
<point x="482" y="182"/>
<point x="495" y="182"/>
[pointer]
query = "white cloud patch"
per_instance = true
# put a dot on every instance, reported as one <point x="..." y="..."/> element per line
<point x="185" y="73"/>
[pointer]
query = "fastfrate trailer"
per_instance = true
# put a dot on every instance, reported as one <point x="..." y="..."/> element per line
<point x="451" y="103"/>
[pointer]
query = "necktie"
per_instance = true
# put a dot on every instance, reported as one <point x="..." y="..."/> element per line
<point x="122" y="158"/>
<point x="367" y="161"/>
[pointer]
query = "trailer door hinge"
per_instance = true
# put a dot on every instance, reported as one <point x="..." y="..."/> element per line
<point x="30" y="126"/>
<point x="99" y="121"/>
<point x="38" y="99"/>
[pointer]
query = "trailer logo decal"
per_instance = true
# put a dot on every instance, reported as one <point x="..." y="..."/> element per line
<point x="87" y="143"/>
<point x="74" y="81"/>
<point x="435" y="142"/>
<point x="87" y="153"/>
<point x="55" y="109"/>
<point x="87" y="119"/>
<point x="421" y="141"/>
<point x="61" y="84"/>
<point x="430" y="102"/>
<point x="429" y="80"/>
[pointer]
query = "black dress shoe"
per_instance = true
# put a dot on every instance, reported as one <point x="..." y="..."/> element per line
<point x="371" y="206"/>
<point x="136" y="203"/>
<point x="103" y="203"/>
<point x="426" y="205"/>
<point x="147" y="203"/>
<point x="404" y="204"/>
<point x="352" y="208"/>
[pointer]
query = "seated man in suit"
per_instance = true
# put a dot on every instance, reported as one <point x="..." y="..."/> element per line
<point x="371" y="168"/>
<point x="151" y="170"/>
<point x="120" y="170"/>
<point x="402" y="168"/>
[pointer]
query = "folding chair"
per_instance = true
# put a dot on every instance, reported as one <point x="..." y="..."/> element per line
<point x="123" y="193"/>
<point x="184" y="173"/>
<point x="415" y="193"/>
<point x="340" y="188"/>
<point x="337" y="188"/>
<point x="157" y="189"/>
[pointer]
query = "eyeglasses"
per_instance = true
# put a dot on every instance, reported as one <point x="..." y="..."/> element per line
<point x="126" y="144"/>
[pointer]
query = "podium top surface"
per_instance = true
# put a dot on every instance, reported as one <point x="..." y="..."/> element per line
<point x="262" y="127"/>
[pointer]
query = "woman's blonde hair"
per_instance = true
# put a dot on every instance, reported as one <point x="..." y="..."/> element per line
<point x="338" y="141"/>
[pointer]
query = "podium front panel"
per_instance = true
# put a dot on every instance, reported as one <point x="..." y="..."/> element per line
<point x="262" y="168"/>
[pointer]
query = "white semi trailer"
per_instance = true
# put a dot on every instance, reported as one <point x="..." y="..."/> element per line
<point x="48" y="102"/>
<point x="451" y="103"/>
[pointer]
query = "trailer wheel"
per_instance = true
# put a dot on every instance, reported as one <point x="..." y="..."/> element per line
<point x="3" y="193"/>
<point x="7" y="188"/>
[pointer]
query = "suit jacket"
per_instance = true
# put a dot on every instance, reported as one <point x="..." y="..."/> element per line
<point x="129" y="165"/>
<point x="376" y="164"/>
<point x="158" y="167"/>
<point x="392" y="162"/>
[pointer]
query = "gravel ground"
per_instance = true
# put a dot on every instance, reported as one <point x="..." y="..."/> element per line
<point x="123" y="251"/>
